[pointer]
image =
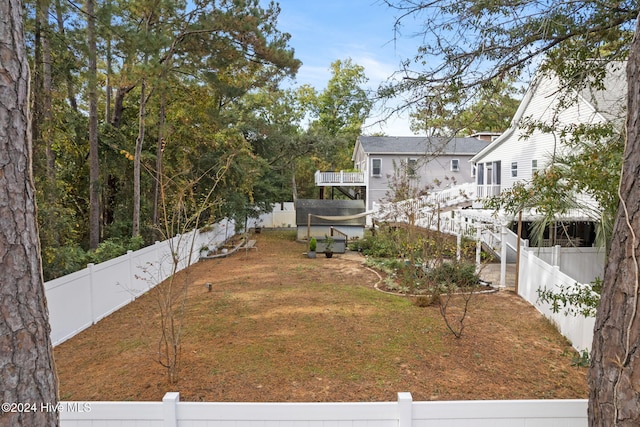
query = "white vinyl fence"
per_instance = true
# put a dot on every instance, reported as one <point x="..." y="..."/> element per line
<point x="403" y="413"/>
<point x="78" y="300"/>
<point x="582" y="264"/>
<point x="536" y="274"/>
<point x="282" y="215"/>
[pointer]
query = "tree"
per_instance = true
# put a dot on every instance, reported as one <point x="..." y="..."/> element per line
<point x="614" y="398"/>
<point x="472" y="44"/>
<point x="491" y="111"/>
<point x="339" y="111"/>
<point x="27" y="370"/>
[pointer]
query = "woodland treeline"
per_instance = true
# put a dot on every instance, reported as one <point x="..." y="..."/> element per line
<point x="150" y="113"/>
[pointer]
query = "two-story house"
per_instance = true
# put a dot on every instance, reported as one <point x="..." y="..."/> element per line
<point x="434" y="163"/>
<point x="546" y="111"/>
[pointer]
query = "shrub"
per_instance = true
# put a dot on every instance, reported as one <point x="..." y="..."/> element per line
<point x="60" y="261"/>
<point x="113" y="248"/>
<point x="460" y="274"/>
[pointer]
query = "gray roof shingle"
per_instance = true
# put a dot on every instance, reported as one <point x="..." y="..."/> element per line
<point x="420" y="145"/>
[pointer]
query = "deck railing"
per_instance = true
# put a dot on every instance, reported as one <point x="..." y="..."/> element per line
<point x="488" y="190"/>
<point x="339" y="178"/>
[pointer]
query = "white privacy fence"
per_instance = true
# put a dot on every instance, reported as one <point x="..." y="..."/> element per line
<point x="403" y="413"/>
<point x="282" y="215"/>
<point x="78" y="300"/>
<point x="536" y="274"/>
<point x="584" y="264"/>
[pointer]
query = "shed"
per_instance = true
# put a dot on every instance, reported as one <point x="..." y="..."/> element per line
<point x="346" y="216"/>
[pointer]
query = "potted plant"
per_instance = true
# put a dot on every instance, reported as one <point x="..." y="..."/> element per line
<point x="313" y="243"/>
<point x="328" y="248"/>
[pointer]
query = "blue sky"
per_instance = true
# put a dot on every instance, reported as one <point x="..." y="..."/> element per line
<point x="326" y="30"/>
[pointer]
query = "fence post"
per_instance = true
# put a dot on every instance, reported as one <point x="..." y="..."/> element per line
<point x="91" y="297"/>
<point x="555" y="255"/>
<point x="529" y="275"/>
<point x="159" y="262"/>
<point x="169" y="403"/>
<point x="131" y="275"/>
<point x="405" y="409"/>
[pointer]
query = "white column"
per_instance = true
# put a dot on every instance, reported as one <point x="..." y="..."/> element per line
<point x="478" y="244"/>
<point x="503" y="256"/>
<point x="458" y="221"/>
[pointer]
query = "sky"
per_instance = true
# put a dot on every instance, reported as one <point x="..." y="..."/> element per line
<point x="363" y="30"/>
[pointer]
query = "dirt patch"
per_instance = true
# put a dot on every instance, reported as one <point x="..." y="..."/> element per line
<point x="278" y="326"/>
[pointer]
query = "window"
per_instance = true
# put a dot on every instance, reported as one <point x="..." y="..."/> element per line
<point x="376" y="167"/>
<point x="480" y="173"/>
<point x="514" y="169"/>
<point x="473" y="171"/>
<point x="455" y="165"/>
<point x="534" y="167"/>
<point x="494" y="173"/>
<point x="497" y="172"/>
<point x="412" y="166"/>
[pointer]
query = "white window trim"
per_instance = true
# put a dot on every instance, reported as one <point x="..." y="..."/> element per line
<point x="514" y="169"/>
<point x="457" y="168"/>
<point x="412" y="166"/>
<point x="373" y="169"/>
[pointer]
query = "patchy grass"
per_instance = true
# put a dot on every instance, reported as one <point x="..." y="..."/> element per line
<point x="278" y="326"/>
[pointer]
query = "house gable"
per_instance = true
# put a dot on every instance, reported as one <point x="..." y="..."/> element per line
<point x="519" y="153"/>
<point x="436" y="163"/>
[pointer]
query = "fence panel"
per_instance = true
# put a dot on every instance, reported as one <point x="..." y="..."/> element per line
<point x="584" y="264"/>
<point x="496" y="413"/>
<point x="536" y="274"/>
<point x="69" y="303"/>
<point x="78" y="300"/>
<point x="402" y="413"/>
<point x="111" y="286"/>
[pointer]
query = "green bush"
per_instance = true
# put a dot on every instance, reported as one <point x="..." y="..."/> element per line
<point x="380" y="245"/>
<point x="60" y="261"/>
<point x="63" y="260"/>
<point x="460" y="274"/>
<point x="113" y="248"/>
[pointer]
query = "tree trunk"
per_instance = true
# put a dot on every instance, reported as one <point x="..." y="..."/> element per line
<point x="137" y="160"/>
<point x="94" y="164"/>
<point x="614" y="376"/>
<point x="42" y="119"/>
<point x="27" y="373"/>
<point x="118" y="105"/>
<point x="159" y="152"/>
<point x="71" y="95"/>
<point x="108" y="88"/>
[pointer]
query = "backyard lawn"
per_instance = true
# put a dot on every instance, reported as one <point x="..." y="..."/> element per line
<point x="278" y="326"/>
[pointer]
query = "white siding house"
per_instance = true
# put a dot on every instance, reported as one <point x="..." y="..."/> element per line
<point x="519" y="152"/>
